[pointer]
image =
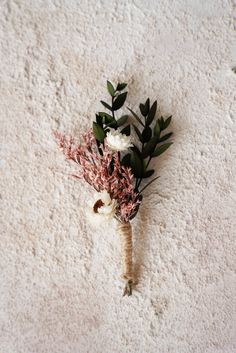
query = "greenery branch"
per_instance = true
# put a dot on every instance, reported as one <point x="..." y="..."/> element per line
<point x="150" y="130"/>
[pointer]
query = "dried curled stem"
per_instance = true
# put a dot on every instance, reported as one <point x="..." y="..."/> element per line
<point x="125" y="231"/>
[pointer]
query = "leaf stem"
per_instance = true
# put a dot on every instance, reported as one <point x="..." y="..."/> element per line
<point x="113" y="114"/>
<point x="140" y="180"/>
<point x="150" y="182"/>
<point x="148" y="162"/>
<point x="136" y="117"/>
<point x="137" y="183"/>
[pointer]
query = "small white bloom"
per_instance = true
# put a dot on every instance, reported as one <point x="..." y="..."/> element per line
<point x="103" y="208"/>
<point x="118" y="141"/>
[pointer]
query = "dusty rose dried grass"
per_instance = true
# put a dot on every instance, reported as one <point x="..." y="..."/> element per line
<point x="103" y="171"/>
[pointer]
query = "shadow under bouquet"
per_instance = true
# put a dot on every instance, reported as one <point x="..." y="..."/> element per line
<point x="116" y="164"/>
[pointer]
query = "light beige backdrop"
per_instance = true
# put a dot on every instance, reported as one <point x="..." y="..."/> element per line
<point x="60" y="288"/>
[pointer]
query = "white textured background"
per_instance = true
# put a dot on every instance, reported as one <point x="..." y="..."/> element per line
<point x="60" y="288"/>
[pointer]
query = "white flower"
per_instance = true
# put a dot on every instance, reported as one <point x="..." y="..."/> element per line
<point x="103" y="208"/>
<point x="118" y="141"/>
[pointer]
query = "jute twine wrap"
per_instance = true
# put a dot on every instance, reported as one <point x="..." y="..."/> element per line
<point x="125" y="232"/>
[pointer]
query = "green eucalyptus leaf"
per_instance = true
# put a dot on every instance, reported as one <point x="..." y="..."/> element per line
<point x="126" y="130"/>
<point x="110" y="88"/>
<point x="151" y="113"/>
<point x="119" y="101"/>
<point x="106" y="105"/>
<point x="98" y="132"/>
<point x="167" y="122"/>
<point x="136" y="116"/>
<point x="138" y="133"/>
<point x="161" y="149"/>
<point x="135" y="149"/>
<point x="165" y="137"/>
<point x="136" y="164"/>
<point x="112" y="124"/>
<point x="102" y="114"/>
<point x="161" y="123"/>
<point x="144" y="108"/>
<point x="106" y="118"/>
<point x="147" y="106"/>
<point x="157" y="129"/>
<point x="126" y="160"/>
<point x="146" y="134"/>
<point x="122" y="120"/>
<point x="150" y="147"/>
<point x="149" y="173"/>
<point x="99" y="120"/>
<point x="121" y="86"/>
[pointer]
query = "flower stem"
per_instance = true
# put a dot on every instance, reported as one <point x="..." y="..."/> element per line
<point x="125" y="231"/>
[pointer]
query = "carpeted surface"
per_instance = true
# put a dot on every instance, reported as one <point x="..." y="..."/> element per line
<point x="60" y="287"/>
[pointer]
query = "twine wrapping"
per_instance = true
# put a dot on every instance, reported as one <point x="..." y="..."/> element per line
<point x="124" y="230"/>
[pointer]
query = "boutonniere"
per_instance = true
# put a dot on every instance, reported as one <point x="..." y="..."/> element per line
<point x="114" y="157"/>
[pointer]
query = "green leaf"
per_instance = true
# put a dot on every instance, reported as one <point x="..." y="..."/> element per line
<point x="110" y="88"/>
<point x="161" y="123"/>
<point x="119" y="101"/>
<point x="106" y="105"/>
<point x="136" y="164"/>
<point x="122" y="120"/>
<point x="147" y="106"/>
<point x="112" y="124"/>
<point x="121" y="86"/>
<point x="149" y="173"/>
<point x="161" y="149"/>
<point x="150" y="147"/>
<point x="126" y="130"/>
<point x="144" y="108"/>
<point x="136" y="116"/>
<point x="146" y="134"/>
<point x="167" y="122"/>
<point x="126" y="160"/>
<point x="135" y="149"/>
<point x="165" y="137"/>
<point x="99" y="120"/>
<point x="151" y="113"/>
<point x="138" y="132"/>
<point x="157" y="129"/>
<point x="106" y="118"/>
<point x="98" y="132"/>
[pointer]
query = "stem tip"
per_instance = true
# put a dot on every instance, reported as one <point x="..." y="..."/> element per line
<point x="128" y="288"/>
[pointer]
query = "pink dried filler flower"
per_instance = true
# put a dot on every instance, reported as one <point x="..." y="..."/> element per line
<point x="115" y="167"/>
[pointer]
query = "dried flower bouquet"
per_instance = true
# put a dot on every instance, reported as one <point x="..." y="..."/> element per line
<point x="116" y="165"/>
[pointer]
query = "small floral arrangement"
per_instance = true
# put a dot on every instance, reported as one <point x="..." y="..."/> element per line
<point x="117" y="165"/>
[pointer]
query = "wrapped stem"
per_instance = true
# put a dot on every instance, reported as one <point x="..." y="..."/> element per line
<point x="125" y="231"/>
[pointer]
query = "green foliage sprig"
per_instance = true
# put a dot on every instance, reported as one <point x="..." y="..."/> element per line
<point x="104" y="121"/>
<point x="148" y="128"/>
